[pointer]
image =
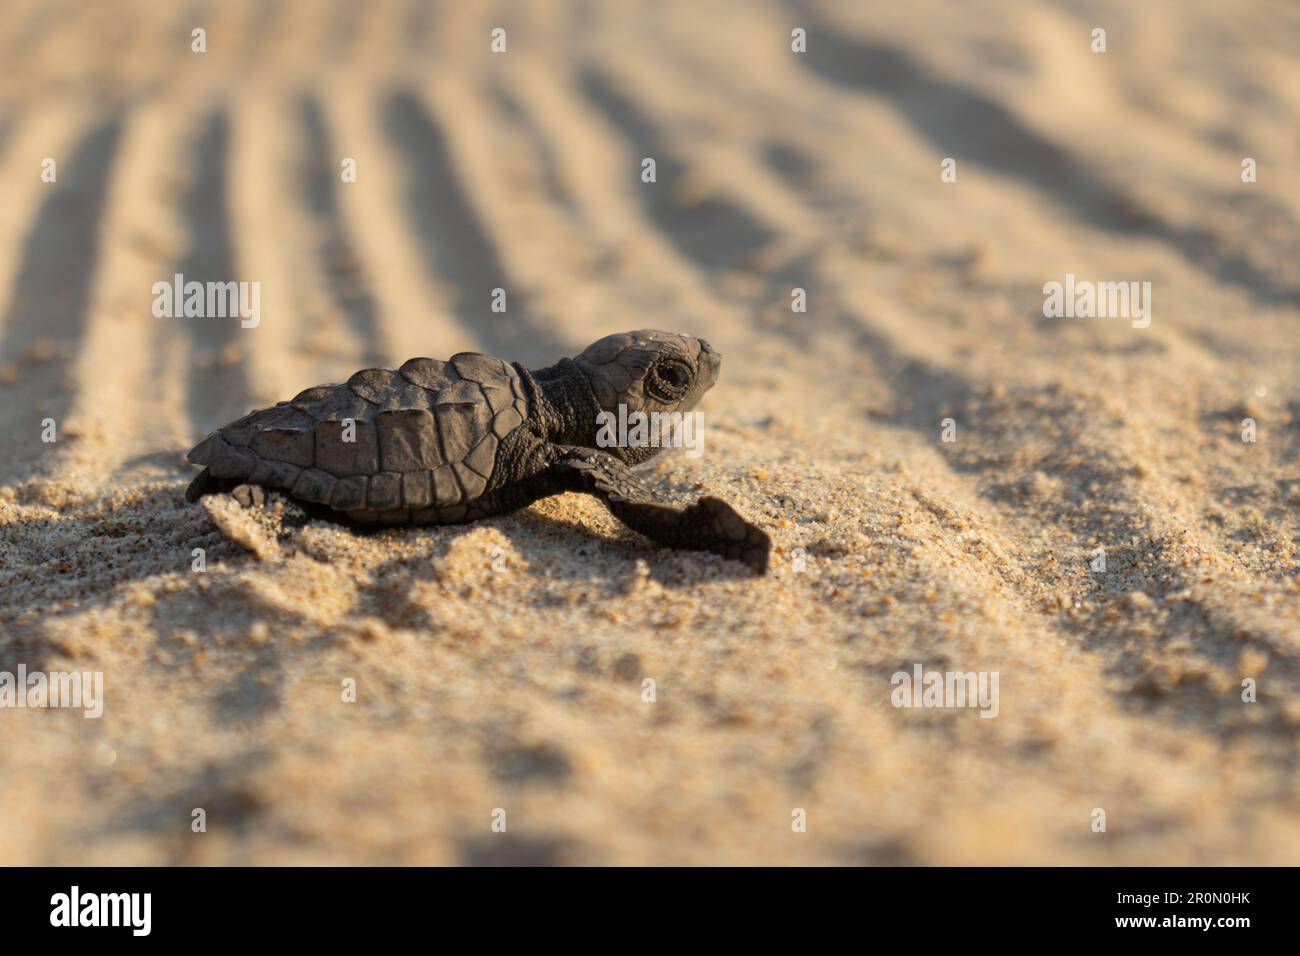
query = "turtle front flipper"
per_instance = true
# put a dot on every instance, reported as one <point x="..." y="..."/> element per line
<point x="708" y="525"/>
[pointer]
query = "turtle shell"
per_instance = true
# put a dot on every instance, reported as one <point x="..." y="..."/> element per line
<point x="416" y="444"/>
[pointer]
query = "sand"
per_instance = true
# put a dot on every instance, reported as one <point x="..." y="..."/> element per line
<point x="500" y="669"/>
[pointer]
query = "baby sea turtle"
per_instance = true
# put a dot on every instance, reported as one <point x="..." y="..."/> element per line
<point x="447" y="442"/>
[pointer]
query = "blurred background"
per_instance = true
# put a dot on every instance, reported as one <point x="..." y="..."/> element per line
<point x="776" y="172"/>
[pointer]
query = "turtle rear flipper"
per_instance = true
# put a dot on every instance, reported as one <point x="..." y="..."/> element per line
<point x="708" y="525"/>
<point x="205" y="484"/>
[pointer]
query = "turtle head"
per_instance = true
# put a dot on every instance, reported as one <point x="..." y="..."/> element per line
<point x="648" y="371"/>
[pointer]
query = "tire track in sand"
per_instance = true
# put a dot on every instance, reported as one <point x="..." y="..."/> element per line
<point x="457" y="246"/>
<point x="335" y="249"/>
<point x="412" y="310"/>
<point x="47" y="314"/>
<point x="218" y="378"/>
<point x="124" y="413"/>
<point x="962" y="122"/>
<point x="641" y="268"/>
<point x="927" y="387"/>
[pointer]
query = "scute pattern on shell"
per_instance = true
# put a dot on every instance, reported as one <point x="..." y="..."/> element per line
<point x="424" y="439"/>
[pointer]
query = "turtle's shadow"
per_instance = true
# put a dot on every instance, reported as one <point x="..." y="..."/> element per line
<point x="557" y="550"/>
<point x="611" y="563"/>
<point x="570" y="550"/>
<point x="90" y="556"/>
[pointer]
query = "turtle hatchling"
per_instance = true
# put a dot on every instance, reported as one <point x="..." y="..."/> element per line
<point x="439" y="442"/>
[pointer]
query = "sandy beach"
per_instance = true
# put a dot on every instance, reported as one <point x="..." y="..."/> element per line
<point x="940" y="465"/>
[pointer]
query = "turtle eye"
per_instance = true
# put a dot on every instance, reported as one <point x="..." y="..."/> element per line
<point x="669" y="381"/>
